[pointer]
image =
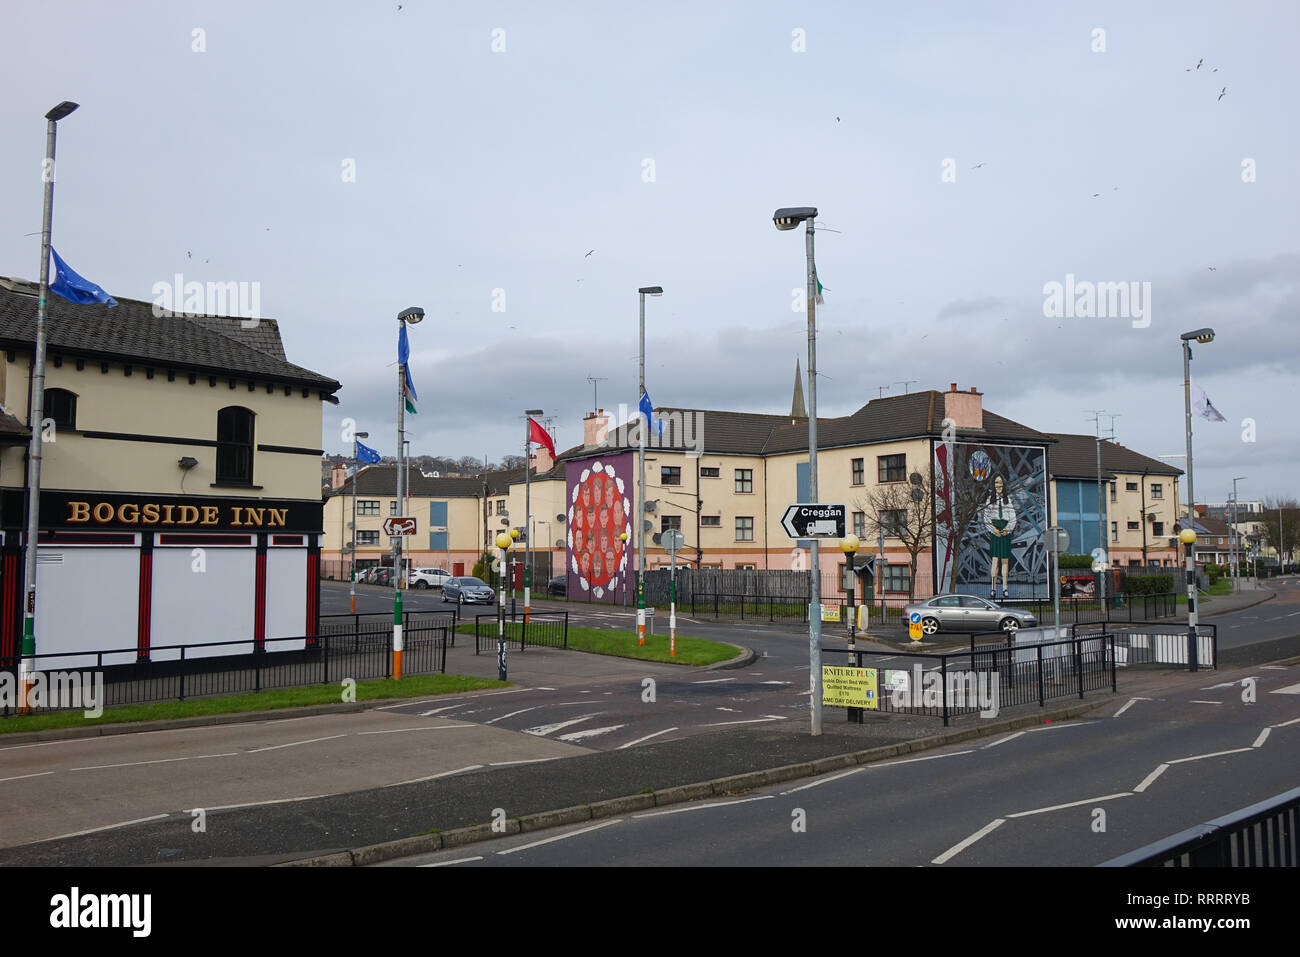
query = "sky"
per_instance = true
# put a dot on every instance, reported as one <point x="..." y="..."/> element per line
<point x="518" y="170"/>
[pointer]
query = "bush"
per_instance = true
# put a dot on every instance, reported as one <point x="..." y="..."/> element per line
<point x="1149" y="584"/>
<point x="481" y="566"/>
<point x="1076" y="561"/>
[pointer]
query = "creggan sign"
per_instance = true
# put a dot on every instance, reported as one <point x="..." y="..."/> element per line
<point x="814" y="521"/>
<point x="399" y="526"/>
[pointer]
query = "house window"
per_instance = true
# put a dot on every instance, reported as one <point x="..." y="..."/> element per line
<point x="891" y="468"/>
<point x="1114" y="531"/>
<point x="501" y="506"/>
<point x="893" y="522"/>
<point x="710" y="472"/>
<point x="670" y="521"/>
<point x="367" y="506"/>
<point x="1132" y="526"/>
<point x="860" y="524"/>
<point x="745" y="567"/>
<point x="1158" y="528"/>
<point x="367" y="538"/>
<point x="1157" y="491"/>
<point x="234" y="446"/>
<point x="61" y="406"/>
<point x="859" y="472"/>
<point x="744" y="480"/>
<point x="1130" y="486"/>
<point x="392" y="508"/>
<point x="670" y="475"/>
<point x="1113" y="492"/>
<point x="710" y="521"/>
<point x="897" y="577"/>
<point x="744" y="528"/>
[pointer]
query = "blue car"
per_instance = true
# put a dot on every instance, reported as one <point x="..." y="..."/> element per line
<point x="466" y="591"/>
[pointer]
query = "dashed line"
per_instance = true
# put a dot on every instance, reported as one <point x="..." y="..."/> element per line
<point x="1058" y="807"/>
<point x="1197" y="701"/>
<point x="431" y="777"/>
<point x="1215" y="754"/>
<point x="1131" y="702"/>
<point x="560" y="837"/>
<point x="928" y="757"/>
<point x="502" y="764"/>
<point x="589" y="733"/>
<point x="450" y="707"/>
<point x="959" y="847"/>
<point x="294" y="744"/>
<point x="1285" y="723"/>
<point x="704" y="807"/>
<point x="719" y="724"/>
<point x="19" y="777"/>
<point x="1150" y="778"/>
<point x="133" y="764"/>
<point x="821" y="781"/>
<point x="459" y="860"/>
<point x="542" y="730"/>
<point x="510" y="715"/>
<point x="712" y="681"/>
<point x="646" y="738"/>
<point x="230" y="807"/>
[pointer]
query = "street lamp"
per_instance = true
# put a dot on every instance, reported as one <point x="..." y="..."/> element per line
<point x="352" y="591"/>
<point x="849" y="546"/>
<point x="27" y="665"/>
<point x="786" y="219"/>
<point x="1236" y="551"/>
<point x="410" y="316"/>
<point x="504" y="542"/>
<point x="1200" y="335"/>
<point x="640" y="460"/>
<point x="528" y="506"/>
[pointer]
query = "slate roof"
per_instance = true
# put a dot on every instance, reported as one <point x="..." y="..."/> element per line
<point x="382" y="480"/>
<point x="131" y="333"/>
<point x="1075" y="456"/>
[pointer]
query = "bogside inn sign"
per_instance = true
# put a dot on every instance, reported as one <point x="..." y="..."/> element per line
<point x="85" y="511"/>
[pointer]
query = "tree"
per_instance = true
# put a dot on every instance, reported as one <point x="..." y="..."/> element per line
<point x="968" y="498"/>
<point x="902" y="511"/>
<point x="513" y="462"/>
<point x="1281" y="515"/>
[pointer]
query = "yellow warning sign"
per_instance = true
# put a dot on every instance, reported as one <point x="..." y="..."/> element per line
<point x="848" y="687"/>
<point x="830" y="612"/>
<point x="914" y="630"/>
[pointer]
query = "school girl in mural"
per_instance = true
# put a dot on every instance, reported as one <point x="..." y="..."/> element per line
<point x="999" y="517"/>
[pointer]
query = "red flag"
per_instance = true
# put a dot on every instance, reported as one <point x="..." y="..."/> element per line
<point x="539" y="435"/>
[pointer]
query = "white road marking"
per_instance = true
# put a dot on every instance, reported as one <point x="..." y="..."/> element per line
<point x="471" y="767"/>
<point x="1226" y="684"/>
<point x="1274" y="667"/>
<point x="1147" y="781"/>
<point x="928" y="757"/>
<point x="544" y="729"/>
<point x="1215" y="754"/>
<point x="646" y="738"/>
<point x="589" y="733"/>
<point x="1064" y="724"/>
<point x="228" y="807"/>
<point x="561" y="837"/>
<point x="133" y="764"/>
<point x="459" y="860"/>
<point x="821" y="781"/>
<point x="294" y="744"/>
<point x="486" y="694"/>
<point x="1263" y="736"/>
<point x="887" y="658"/>
<point x="704" y="807"/>
<point x="1197" y="701"/>
<point x="432" y="727"/>
<point x="712" y="681"/>
<point x="106" y="827"/>
<point x="450" y="707"/>
<point x="719" y="724"/>
<point x="958" y="848"/>
<point x="1012" y="737"/>
<point x="1289" y="689"/>
<point x="19" y="777"/>
<point x="1285" y="723"/>
<point x="510" y="715"/>
<point x="502" y="764"/>
<point x="775" y="682"/>
<point x="1058" y="807"/>
<point x="733" y="710"/>
<point x="1131" y="702"/>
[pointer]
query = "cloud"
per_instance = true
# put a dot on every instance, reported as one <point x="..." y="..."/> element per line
<point x="966" y="307"/>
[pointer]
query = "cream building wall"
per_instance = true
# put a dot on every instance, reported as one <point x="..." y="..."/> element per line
<point x="464" y="531"/>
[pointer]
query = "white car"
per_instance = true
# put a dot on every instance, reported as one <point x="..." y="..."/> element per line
<point x="428" y="577"/>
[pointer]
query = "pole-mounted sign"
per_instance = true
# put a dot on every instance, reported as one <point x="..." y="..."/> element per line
<point x="814" y="521"/>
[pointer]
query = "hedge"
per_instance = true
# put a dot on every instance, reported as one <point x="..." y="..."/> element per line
<point x="1149" y="584"/>
<point x="1076" y="561"/>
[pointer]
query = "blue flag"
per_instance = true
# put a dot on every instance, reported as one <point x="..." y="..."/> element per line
<point x="73" y="287"/>
<point x="647" y="409"/>
<point x="366" y="454"/>
<point x="404" y="357"/>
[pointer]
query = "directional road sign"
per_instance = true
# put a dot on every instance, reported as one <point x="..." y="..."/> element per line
<point x="399" y="525"/>
<point x="814" y="521"/>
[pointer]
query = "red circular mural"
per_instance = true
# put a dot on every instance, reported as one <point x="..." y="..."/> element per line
<point x="597" y="517"/>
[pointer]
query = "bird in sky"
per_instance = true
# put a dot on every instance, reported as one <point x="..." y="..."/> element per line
<point x="977" y="166"/>
<point x="837" y="119"/>
<point x="188" y="254"/>
<point x="589" y="252"/>
<point x="1214" y="268"/>
<point x="1095" y="195"/>
<point x="1222" y="94"/>
<point x="1199" y="62"/>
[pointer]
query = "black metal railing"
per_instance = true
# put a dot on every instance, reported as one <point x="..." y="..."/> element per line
<point x="1266" y="834"/>
<point x="1157" y="643"/>
<point x="549" y="629"/>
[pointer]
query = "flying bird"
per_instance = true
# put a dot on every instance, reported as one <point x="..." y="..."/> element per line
<point x="1095" y="195"/>
<point x="589" y="252"/>
<point x="977" y="166"/>
<point x="188" y="254"/>
<point x="837" y="119"/>
<point x="1215" y="70"/>
<point x="1213" y="268"/>
<point x="1222" y="93"/>
<point x="1199" y="62"/>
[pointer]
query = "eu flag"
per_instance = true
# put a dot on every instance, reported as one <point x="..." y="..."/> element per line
<point x="647" y="409"/>
<point x="73" y="287"/>
<point x="366" y="454"/>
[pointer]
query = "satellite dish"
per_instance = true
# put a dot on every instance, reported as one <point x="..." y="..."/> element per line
<point x="917" y="495"/>
<point x="649" y="525"/>
<point x="559" y="518"/>
<point x="655" y="537"/>
<point x="651" y="507"/>
<point x="916" y="478"/>
<point x="505" y="521"/>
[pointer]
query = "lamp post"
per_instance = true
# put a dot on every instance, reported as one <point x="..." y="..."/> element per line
<point x="786" y="219"/>
<point x="849" y="546"/>
<point x="528" y="507"/>
<point x="412" y="316"/>
<point x="27" y="665"/>
<point x="352" y="590"/>
<point x="640" y="462"/>
<point x="1200" y="335"/>
<point x="503" y="542"/>
<point x="1236" y="551"/>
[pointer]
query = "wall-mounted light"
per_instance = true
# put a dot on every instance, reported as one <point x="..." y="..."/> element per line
<point x="187" y="463"/>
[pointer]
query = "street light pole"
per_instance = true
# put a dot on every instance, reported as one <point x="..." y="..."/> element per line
<point x="849" y="546"/>
<point x="528" y="505"/>
<point x="642" y="429"/>
<point x="1232" y="538"/>
<point x="1200" y="335"/>
<point x="27" y="665"/>
<point x="352" y="590"/>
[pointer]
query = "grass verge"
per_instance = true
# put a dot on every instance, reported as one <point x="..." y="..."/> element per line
<point x="413" y="687"/>
<point x="610" y="641"/>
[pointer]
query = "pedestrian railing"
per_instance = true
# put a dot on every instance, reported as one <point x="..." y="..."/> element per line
<point x="1158" y="643"/>
<point x="549" y="629"/>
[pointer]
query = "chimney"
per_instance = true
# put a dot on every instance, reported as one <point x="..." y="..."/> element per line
<point x="540" y="460"/>
<point x="595" y="428"/>
<point x="338" y="476"/>
<point x="966" y="409"/>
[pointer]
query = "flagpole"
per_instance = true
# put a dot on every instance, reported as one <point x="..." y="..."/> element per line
<point x="26" y="666"/>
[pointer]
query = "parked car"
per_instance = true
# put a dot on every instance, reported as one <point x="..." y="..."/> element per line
<point x="382" y="576"/>
<point x="968" y="613"/>
<point x="428" y="577"/>
<point x="366" y="575"/>
<point x="558" y="586"/>
<point x="467" y="590"/>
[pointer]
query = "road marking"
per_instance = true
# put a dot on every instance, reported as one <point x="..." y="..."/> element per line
<point x="1215" y="754"/>
<point x="712" y="681"/>
<point x="432" y="727"/>
<point x="486" y="694"/>
<point x="1012" y="737"/>
<point x="450" y="707"/>
<point x="1274" y="667"/>
<point x="1293" y="614"/>
<point x="510" y="715"/>
<point x="590" y="733"/>
<point x="1070" y="724"/>
<point x="704" y="807"/>
<point x="1285" y="723"/>
<point x="928" y="757"/>
<point x="1146" y="781"/>
<point x="228" y="807"/>
<point x="733" y="710"/>
<point x="1263" y="736"/>
<point x="132" y="764"/>
<point x="887" y="658"/>
<point x="775" y="682"/>
<point x="1290" y="689"/>
<point x="1227" y="684"/>
<point x="646" y="738"/>
<point x="459" y="860"/>
<point x="819" y="782"/>
<point x="294" y="744"/>
<point x="471" y="767"/>
<point x="1130" y="704"/>
<point x="1058" y="807"/>
<point x="106" y="827"/>
<point x="502" y="764"/>
<point x="1197" y="701"/>
<point x="958" y="848"/>
<point x="544" y="729"/>
<point x="719" y="724"/>
<point x="19" y="777"/>
<point x="561" y="837"/>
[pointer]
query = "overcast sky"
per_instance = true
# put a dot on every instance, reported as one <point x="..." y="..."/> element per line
<point x="662" y="136"/>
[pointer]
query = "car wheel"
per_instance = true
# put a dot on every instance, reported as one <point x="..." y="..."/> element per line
<point x="1009" y="624"/>
<point x="421" y="584"/>
<point x="461" y="598"/>
<point x="930" y="625"/>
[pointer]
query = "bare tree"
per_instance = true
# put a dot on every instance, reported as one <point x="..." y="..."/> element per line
<point x="1281" y="521"/>
<point x="902" y="511"/>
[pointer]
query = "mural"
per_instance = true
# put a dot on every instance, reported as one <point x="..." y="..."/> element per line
<point x="599" y="513"/>
<point x="990" y="516"/>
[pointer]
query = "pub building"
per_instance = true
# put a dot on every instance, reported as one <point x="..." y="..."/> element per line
<point x="180" y="483"/>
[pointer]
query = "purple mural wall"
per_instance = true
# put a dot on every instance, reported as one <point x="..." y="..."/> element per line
<point x="599" y="511"/>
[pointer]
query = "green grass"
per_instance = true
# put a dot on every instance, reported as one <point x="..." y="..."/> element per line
<point x="413" y="687"/>
<point x="610" y="641"/>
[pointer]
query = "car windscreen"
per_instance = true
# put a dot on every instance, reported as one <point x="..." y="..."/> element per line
<point x="473" y="581"/>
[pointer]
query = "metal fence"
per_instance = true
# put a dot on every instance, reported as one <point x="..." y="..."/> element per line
<point x="548" y="629"/>
<point x="201" y="670"/>
<point x="1266" y="834"/>
<point x="950" y="684"/>
<point x="1157" y="644"/>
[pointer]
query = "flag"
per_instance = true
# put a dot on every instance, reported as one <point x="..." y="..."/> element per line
<point x="366" y="454"/>
<point x="817" y="279"/>
<point x="1202" y="407"/>
<point x="73" y="287"/>
<point x="539" y="435"/>
<point x="647" y="409"/>
<point x="404" y="357"/>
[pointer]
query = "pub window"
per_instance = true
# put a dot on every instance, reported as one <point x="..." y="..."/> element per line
<point x="235" y="446"/>
<point x="61" y="406"/>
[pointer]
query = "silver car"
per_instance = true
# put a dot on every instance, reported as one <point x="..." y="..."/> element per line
<point x="967" y="613"/>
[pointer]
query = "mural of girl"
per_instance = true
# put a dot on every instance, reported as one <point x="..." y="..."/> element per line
<point x="999" y="517"/>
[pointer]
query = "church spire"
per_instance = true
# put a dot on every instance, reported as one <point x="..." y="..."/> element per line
<point x="797" y="410"/>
